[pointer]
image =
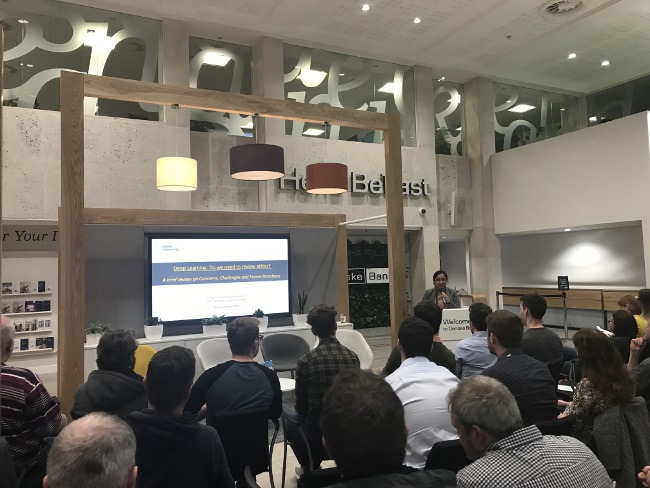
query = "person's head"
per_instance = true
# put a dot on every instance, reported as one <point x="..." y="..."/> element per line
<point x="483" y="411"/>
<point x="440" y="279"/>
<point x="624" y="324"/>
<point x="505" y="331"/>
<point x="478" y="313"/>
<point x="431" y="313"/>
<point x="322" y="319"/>
<point x="631" y="304"/>
<point x="644" y="299"/>
<point x="244" y="336"/>
<point x="603" y="366"/>
<point x="414" y="337"/>
<point x="97" y="450"/>
<point x="532" y="307"/>
<point x="116" y="351"/>
<point x="169" y="379"/>
<point x="7" y="334"/>
<point x="362" y="422"/>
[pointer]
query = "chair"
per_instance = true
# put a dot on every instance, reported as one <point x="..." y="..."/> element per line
<point x="447" y="455"/>
<point x="7" y="469"/>
<point x="143" y="355"/>
<point x="356" y="343"/>
<point x="284" y="350"/>
<point x="213" y="351"/>
<point x="245" y="441"/>
<point x="563" y="426"/>
<point x="250" y="479"/>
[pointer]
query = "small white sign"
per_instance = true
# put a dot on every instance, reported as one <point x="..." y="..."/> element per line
<point x="376" y="275"/>
<point x="455" y="324"/>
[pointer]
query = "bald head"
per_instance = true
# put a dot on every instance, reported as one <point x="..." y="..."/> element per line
<point x="7" y="333"/>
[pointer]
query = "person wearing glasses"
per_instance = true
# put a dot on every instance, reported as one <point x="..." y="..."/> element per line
<point x="444" y="296"/>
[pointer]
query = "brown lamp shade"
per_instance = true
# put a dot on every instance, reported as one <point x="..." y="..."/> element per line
<point x="327" y="178"/>
<point x="256" y="162"/>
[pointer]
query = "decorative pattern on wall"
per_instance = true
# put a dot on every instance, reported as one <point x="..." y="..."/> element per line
<point x="339" y="80"/>
<point x="43" y="37"/>
<point x="448" y="110"/>
<point x="619" y="101"/>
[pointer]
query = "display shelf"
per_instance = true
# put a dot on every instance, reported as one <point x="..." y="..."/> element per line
<point x="37" y="331"/>
<point x="44" y="312"/>
<point x="32" y="351"/>
<point x="38" y="293"/>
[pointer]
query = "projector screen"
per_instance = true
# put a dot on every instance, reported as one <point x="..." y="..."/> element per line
<point x="196" y="276"/>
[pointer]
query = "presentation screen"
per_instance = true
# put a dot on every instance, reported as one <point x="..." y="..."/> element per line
<point x="196" y="276"/>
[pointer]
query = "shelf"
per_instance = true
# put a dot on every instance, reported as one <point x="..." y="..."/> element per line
<point x="33" y="351"/>
<point x="42" y="293"/>
<point x="45" y="312"/>
<point x="37" y="331"/>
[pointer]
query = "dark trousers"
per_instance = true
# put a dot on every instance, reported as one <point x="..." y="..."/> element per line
<point x="292" y="423"/>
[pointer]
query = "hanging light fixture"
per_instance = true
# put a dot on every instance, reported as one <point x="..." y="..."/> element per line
<point x="175" y="173"/>
<point x="256" y="162"/>
<point x="327" y="178"/>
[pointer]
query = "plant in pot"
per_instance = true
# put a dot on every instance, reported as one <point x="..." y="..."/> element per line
<point x="300" y="318"/>
<point x="95" y="330"/>
<point x="153" y="329"/>
<point x="214" y="325"/>
<point x="263" y="320"/>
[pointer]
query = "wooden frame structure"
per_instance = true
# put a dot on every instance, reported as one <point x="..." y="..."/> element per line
<point x="73" y="214"/>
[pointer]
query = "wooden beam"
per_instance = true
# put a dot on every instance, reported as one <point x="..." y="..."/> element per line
<point x="395" y="224"/>
<point x="71" y="240"/>
<point x="342" y="268"/>
<point x="200" y="99"/>
<point x="122" y="216"/>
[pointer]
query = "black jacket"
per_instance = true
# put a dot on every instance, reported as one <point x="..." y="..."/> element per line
<point x="178" y="451"/>
<point x="110" y="392"/>
<point x="403" y="478"/>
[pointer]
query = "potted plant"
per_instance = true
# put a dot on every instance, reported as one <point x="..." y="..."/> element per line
<point x="214" y="325"/>
<point x="153" y="329"/>
<point x="94" y="331"/>
<point x="263" y="320"/>
<point x="300" y="318"/>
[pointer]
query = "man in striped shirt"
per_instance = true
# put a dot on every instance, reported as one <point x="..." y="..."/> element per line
<point x="28" y="414"/>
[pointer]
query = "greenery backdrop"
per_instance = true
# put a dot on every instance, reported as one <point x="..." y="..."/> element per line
<point x="369" y="304"/>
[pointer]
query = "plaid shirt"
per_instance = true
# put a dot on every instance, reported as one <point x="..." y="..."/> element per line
<point x="315" y="373"/>
<point x="525" y="458"/>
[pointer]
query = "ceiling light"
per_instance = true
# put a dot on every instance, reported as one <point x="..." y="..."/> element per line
<point x="23" y="21"/>
<point x="459" y="128"/>
<point x="341" y="74"/>
<point x="216" y="59"/>
<point x="311" y="78"/>
<point x="256" y="162"/>
<point x="572" y="56"/>
<point x="593" y="119"/>
<point x="365" y="7"/>
<point x="508" y="101"/>
<point x="521" y="108"/>
<point x="605" y="63"/>
<point x="441" y="79"/>
<point x="444" y="237"/>
<point x="247" y="126"/>
<point x="562" y="109"/>
<point x="388" y="88"/>
<point x="176" y="174"/>
<point x="417" y="20"/>
<point x="30" y="65"/>
<point x="97" y="41"/>
<point x="326" y="178"/>
<point x="313" y="132"/>
<point x="568" y="229"/>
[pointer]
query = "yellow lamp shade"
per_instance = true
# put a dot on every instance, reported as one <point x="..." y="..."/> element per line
<point x="175" y="173"/>
<point x="327" y="178"/>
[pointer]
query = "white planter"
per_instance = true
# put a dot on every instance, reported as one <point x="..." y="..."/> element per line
<point x="263" y="322"/>
<point x="93" y="338"/>
<point x="299" y="318"/>
<point x="153" y="332"/>
<point x="214" y="329"/>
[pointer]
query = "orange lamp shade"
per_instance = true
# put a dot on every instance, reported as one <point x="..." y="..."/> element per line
<point x="327" y="178"/>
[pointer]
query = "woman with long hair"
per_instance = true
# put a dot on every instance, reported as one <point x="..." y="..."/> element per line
<point x="633" y="305"/>
<point x="625" y="329"/>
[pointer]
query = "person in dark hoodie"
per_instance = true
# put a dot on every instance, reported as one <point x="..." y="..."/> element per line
<point x="114" y="387"/>
<point x="172" y="448"/>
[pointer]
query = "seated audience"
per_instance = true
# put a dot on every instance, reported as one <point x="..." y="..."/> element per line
<point x="441" y="294"/>
<point x="624" y="328"/>
<point x="315" y="373"/>
<point x="113" y="387"/>
<point x="633" y="305"/>
<point x="363" y="430"/>
<point x="539" y="342"/>
<point x="605" y="381"/>
<point x="421" y="387"/>
<point x="96" y="451"/>
<point x="528" y="379"/>
<point x="28" y="414"/>
<point x="644" y="299"/>
<point x="472" y="354"/>
<point x="640" y="371"/>
<point x="439" y="354"/>
<point x="508" y="454"/>
<point x="173" y="449"/>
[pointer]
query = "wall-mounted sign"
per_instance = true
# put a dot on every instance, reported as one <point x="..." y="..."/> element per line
<point x="360" y="184"/>
<point x="369" y="276"/>
<point x="29" y="237"/>
<point x="356" y="276"/>
<point x="563" y="283"/>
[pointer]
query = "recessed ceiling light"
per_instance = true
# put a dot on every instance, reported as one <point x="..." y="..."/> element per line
<point x="30" y="65"/>
<point x="341" y="74"/>
<point x="568" y="229"/>
<point x="562" y="109"/>
<point x="388" y="88"/>
<point x="441" y="79"/>
<point x="23" y="21"/>
<point x="417" y="20"/>
<point x="572" y="56"/>
<point x="605" y="63"/>
<point x="365" y="7"/>
<point x="593" y="119"/>
<point x="313" y="132"/>
<point x="521" y="108"/>
<point x="508" y="101"/>
<point x="216" y="59"/>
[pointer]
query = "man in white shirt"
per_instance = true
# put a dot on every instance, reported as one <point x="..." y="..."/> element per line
<point x="422" y="387"/>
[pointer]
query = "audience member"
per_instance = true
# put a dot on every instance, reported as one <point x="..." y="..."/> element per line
<point x="644" y="299"/>
<point x="605" y="381"/>
<point x="624" y="328"/>
<point x="528" y="379"/>
<point x="422" y="387"/>
<point x="508" y="454"/>
<point x="363" y="430"/>
<point x="472" y="354"/>
<point x="640" y="371"/>
<point x="114" y="387"/>
<point x="174" y="449"/>
<point x="28" y="414"/>
<point x="439" y="353"/>
<point x="539" y="342"/>
<point x="633" y="305"/>
<point x="448" y="297"/>
<point x="315" y="373"/>
<point x="644" y="476"/>
<point x="97" y="451"/>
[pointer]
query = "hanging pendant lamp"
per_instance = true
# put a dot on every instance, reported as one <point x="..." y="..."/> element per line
<point x="176" y="173"/>
<point x="256" y="162"/>
<point x="326" y="178"/>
